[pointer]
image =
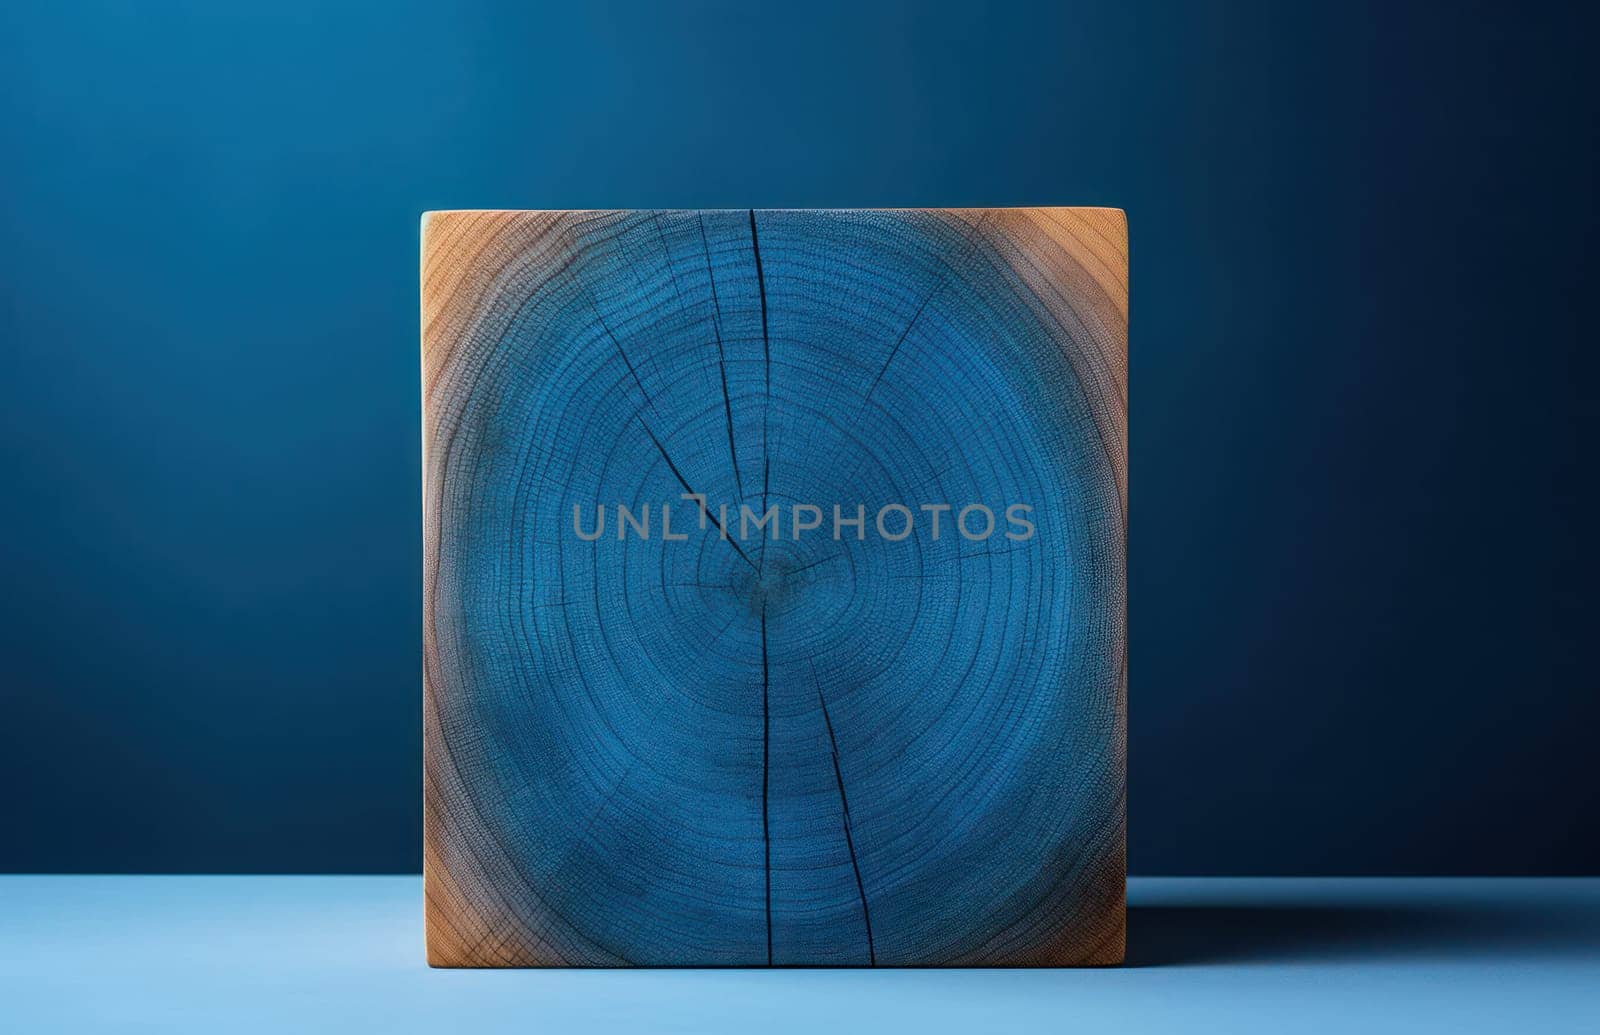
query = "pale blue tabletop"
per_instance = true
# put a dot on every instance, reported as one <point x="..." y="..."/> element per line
<point x="247" y="954"/>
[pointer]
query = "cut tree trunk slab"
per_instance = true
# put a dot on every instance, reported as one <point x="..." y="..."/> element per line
<point x="775" y="587"/>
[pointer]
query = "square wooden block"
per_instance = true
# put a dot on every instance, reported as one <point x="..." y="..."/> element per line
<point x="775" y="587"/>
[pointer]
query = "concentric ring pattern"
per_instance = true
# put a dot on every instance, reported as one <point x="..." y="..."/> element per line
<point x="717" y="743"/>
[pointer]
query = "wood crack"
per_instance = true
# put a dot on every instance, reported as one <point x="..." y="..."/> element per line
<point x="721" y="532"/>
<point x="766" y="771"/>
<point x="766" y="360"/>
<point x="722" y="360"/>
<point x="849" y="837"/>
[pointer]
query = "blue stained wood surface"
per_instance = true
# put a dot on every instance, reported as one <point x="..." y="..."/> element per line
<point x="791" y="749"/>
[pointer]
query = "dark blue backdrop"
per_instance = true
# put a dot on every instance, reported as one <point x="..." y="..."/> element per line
<point x="1363" y="385"/>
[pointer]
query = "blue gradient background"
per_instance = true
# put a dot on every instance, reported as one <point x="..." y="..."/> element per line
<point x="1363" y="367"/>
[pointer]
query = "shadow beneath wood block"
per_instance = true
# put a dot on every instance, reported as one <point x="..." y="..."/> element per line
<point x="1165" y="935"/>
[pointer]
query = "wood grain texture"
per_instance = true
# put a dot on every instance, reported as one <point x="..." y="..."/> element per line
<point x="749" y="750"/>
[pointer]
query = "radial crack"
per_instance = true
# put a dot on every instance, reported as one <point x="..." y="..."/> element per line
<point x="971" y="240"/>
<point x="766" y="359"/>
<point x="844" y="805"/>
<point x="766" y="770"/>
<point x="722" y="360"/>
<point x="722" y="533"/>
